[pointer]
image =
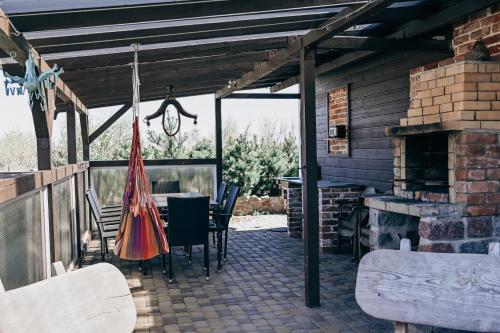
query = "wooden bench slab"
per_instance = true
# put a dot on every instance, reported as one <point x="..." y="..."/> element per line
<point x="92" y="299"/>
<point x="457" y="291"/>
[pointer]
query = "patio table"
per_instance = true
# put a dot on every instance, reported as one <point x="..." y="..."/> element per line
<point x="214" y="206"/>
<point x="161" y="199"/>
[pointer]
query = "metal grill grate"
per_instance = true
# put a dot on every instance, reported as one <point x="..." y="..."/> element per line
<point x="21" y="242"/>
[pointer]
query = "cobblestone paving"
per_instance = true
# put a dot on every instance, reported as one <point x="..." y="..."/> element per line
<point x="260" y="289"/>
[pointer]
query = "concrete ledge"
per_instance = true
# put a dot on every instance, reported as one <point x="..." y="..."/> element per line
<point x="408" y="206"/>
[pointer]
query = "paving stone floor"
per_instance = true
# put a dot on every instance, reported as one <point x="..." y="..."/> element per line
<point x="260" y="288"/>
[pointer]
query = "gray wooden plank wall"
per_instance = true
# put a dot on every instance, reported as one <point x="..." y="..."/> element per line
<point x="378" y="98"/>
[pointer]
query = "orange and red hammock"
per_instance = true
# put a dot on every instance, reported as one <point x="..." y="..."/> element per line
<point x="141" y="235"/>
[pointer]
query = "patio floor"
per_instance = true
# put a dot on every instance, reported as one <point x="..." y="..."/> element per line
<point x="260" y="288"/>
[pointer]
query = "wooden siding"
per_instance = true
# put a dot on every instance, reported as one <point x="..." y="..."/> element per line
<point x="378" y="98"/>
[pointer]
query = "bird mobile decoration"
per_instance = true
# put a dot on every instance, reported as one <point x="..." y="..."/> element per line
<point x="35" y="84"/>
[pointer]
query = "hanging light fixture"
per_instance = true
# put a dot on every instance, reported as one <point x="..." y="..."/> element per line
<point x="171" y="119"/>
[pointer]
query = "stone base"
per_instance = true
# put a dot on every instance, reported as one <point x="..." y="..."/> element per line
<point x="388" y="228"/>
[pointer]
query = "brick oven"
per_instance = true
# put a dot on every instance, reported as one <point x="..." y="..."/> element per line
<point x="447" y="149"/>
<point x="446" y="162"/>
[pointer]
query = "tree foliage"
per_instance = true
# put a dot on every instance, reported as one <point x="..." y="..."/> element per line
<point x="249" y="161"/>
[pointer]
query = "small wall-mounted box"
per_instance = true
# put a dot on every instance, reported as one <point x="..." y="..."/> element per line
<point x="337" y="131"/>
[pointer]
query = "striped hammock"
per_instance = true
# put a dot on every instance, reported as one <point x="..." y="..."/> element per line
<point x="141" y="235"/>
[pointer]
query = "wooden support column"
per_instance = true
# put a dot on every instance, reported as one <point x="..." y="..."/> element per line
<point x="84" y="128"/>
<point x="309" y="176"/>
<point x="218" y="138"/>
<point x="71" y="133"/>
<point x="42" y="121"/>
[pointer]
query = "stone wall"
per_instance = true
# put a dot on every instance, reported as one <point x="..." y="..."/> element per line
<point x="248" y="205"/>
<point x="388" y="228"/>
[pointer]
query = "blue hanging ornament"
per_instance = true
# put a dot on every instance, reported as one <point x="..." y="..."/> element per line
<point x="33" y="83"/>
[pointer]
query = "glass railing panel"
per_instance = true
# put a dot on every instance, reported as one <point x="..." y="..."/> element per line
<point x="22" y="256"/>
<point x="109" y="182"/>
<point x="64" y="224"/>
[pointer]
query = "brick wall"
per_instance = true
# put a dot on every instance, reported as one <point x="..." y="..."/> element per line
<point x="293" y="207"/>
<point x="477" y="172"/>
<point x="338" y="115"/>
<point x="484" y="25"/>
<point x="468" y="91"/>
<point x="330" y="199"/>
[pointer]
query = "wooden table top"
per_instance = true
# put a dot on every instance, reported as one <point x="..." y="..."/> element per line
<point x="161" y="198"/>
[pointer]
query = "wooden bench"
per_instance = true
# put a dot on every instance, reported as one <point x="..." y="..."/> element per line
<point x="92" y="299"/>
<point x="456" y="291"/>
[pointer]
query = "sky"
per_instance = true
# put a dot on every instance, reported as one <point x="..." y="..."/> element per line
<point x="16" y="113"/>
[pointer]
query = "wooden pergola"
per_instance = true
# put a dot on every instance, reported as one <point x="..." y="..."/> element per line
<point x="212" y="46"/>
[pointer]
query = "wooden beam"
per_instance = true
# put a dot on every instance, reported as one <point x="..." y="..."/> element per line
<point x="161" y="52"/>
<point x="309" y="176"/>
<point x="285" y="84"/>
<point x="174" y="35"/>
<point x="414" y="28"/>
<point x="71" y="133"/>
<point x="42" y="121"/>
<point x="383" y="44"/>
<point x="109" y="122"/>
<point x="262" y="96"/>
<point x="19" y="183"/>
<point x="116" y="13"/>
<point x="17" y="46"/>
<point x="345" y="19"/>
<point x="218" y="139"/>
<point x="84" y="129"/>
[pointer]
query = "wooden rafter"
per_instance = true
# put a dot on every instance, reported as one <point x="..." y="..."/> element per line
<point x="64" y="14"/>
<point x="384" y="44"/>
<point x="408" y="30"/>
<point x="16" y="45"/>
<point x="111" y="120"/>
<point x="345" y="19"/>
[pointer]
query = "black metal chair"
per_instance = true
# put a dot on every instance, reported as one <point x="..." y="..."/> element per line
<point x="107" y="211"/>
<point x="169" y="186"/>
<point x="187" y="226"/>
<point x="221" y="195"/>
<point x="353" y="224"/>
<point x="220" y="223"/>
<point x="107" y="227"/>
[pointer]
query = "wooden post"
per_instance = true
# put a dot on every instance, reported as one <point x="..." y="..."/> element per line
<point x="84" y="128"/>
<point x="400" y="327"/>
<point x="309" y="176"/>
<point x="71" y="133"/>
<point x="43" y="131"/>
<point x="218" y="139"/>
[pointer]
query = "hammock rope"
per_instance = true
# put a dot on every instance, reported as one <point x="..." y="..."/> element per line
<point x="141" y="235"/>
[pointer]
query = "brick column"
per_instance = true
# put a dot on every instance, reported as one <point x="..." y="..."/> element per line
<point x="294" y="211"/>
<point x="329" y="212"/>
